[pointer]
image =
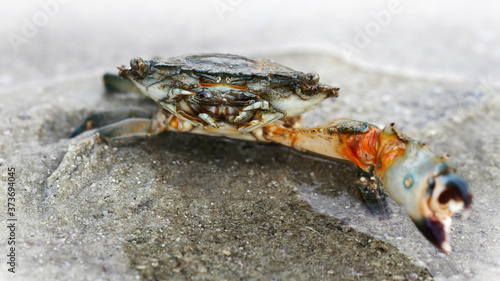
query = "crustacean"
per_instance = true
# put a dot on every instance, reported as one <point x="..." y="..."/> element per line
<point x="258" y="100"/>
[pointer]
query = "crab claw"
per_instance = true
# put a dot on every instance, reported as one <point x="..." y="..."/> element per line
<point x="446" y="194"/>
<point x="429" y="190"/>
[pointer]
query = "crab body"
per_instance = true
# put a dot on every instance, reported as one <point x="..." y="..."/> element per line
<point x="222" y="90"/>
<point x="259" y="100"/>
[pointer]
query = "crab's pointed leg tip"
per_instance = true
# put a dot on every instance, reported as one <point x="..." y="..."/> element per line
<point x="436" y="232"/>
<point x="446" y="247"/>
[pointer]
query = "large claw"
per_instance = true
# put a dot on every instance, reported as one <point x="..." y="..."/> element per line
<point x="429" y="190"/>
<point x="418" y="179"/>
<point x="449" y="194"/>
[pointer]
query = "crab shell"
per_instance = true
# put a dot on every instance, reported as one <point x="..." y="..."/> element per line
<point x="223" y="90"/>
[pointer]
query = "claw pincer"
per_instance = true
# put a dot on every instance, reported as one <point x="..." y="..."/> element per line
<point x="427" y="187"/>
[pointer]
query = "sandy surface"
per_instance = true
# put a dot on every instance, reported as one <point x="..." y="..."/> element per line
<point x="182" y="206"/>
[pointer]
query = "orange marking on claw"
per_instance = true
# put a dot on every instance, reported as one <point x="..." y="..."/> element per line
<point x="361" y="148"/>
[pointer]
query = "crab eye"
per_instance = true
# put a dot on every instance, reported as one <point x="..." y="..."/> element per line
<point x="311" y="79"/>
<point x="139" y="66"/>
<point x="204" y="95"/>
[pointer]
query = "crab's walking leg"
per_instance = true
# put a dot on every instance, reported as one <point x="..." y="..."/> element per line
<point x="127" y="125"/>
<point x="128" y="130"/>
<point x="415" y="177"/>
<point x="101" y="119"/>
<point x="371" y="191"/>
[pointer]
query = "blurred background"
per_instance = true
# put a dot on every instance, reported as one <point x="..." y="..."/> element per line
<point x="55" y="39"/>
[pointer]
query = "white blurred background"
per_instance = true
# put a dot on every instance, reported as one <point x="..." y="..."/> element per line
<point x="53" y="39"/>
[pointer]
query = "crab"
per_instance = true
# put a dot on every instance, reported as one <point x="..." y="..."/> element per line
<point x="250" y="99"/>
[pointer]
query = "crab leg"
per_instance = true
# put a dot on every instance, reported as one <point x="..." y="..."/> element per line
<point x="130" y="124"/>
<point x="101" y="119"/>
<point x="371" y="192"/>
<point x="413" y="175"/>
